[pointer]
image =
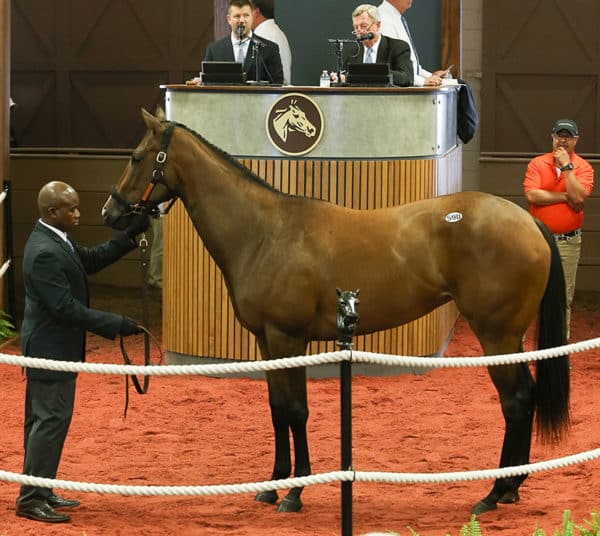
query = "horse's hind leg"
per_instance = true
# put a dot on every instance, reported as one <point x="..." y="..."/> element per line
<point x="515" y="387"/>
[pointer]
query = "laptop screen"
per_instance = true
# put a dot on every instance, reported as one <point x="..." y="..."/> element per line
<point x="222" y="72"/>
<point x="375" y="74"/>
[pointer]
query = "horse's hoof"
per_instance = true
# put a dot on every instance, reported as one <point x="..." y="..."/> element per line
<point x="290" y="504"/>
<point x="482" y="507"/>
<point x="269" y="497"/>
<point x="510" y="497"/>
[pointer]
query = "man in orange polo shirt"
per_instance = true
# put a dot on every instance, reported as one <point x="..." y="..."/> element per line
<point x="556" y="186"/>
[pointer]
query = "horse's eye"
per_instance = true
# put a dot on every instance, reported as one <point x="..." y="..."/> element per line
<point x="135" y="159"/>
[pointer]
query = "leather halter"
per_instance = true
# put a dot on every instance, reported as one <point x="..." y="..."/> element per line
<point x="158" y="177"/>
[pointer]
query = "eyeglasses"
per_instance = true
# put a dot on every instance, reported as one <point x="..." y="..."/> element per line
<point x="565" y="136"/>
<point x="363" y="28"/>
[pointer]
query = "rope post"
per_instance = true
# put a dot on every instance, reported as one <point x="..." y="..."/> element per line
<point x="144" y="265"/>
<point x="347" y="317"/>
<point x="8" y="237"/>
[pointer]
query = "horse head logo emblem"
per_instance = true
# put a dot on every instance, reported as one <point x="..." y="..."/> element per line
<point x="292" y="119"/>
<point x="294" y="124"/>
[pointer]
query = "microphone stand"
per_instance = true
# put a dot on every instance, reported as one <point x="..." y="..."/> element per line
<point x="338" y="45"/>
<point x="257" y="57"/>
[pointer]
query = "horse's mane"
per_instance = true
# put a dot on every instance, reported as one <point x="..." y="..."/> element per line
<point x="247" y="172"/>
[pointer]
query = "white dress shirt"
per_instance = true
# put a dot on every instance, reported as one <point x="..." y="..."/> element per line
<point x="62" y="235"/>
<point x="392" y="26"/>
<point x="269" y="30"/>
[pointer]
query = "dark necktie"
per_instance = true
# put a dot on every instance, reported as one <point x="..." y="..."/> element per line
<point x="70" y="245"/>
<point x="412" y="43"/>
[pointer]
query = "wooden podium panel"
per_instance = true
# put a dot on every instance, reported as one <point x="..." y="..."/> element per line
<point x="198" y="318"/>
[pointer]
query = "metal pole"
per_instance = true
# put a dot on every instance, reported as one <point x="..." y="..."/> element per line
<point x="346" y="407"/>
<point x="346" y="320"/>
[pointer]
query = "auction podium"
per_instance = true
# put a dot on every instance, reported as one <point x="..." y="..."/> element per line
<point x="364" y="148"/>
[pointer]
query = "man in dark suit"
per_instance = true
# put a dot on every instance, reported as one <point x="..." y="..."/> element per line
<point x="245" y="47"/>
<point x="377" y="48"/>
<point x="56" y="318"/>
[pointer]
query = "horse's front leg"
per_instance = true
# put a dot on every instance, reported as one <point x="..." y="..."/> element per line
<point x="297" y="419"/>
<point x="289" y="412"/>
<point x="516" y="389"/>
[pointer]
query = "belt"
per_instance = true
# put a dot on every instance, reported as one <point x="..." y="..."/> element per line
<point x="564" y="236"/>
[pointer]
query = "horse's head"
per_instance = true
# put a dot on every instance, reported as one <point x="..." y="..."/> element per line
<point x="148" y="179"/>
<point x="347" y="311"/>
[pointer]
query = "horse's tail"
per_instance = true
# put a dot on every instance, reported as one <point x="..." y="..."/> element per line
<point x="552" y="375"/>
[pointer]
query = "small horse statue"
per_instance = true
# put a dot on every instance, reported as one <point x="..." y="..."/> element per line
<point x="280" y="255"/>
<point x="347" y="316"/>
<point x="292" y="119"/>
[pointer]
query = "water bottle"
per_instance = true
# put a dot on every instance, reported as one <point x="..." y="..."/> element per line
<point x="325" y="80"/>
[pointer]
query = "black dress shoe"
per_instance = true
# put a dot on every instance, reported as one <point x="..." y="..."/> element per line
<point x="58" y="502"/>
<point x="42" y="512"/>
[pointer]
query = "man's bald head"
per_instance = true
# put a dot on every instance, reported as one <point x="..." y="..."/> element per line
<point x="58" y="204"/>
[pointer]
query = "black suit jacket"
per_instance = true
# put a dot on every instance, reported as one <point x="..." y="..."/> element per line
<point x="394" y="52"/>
<point x="270" y="67"/>
<point x="57" y="312"/>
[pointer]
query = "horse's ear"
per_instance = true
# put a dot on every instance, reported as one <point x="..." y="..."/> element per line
<point x="339" y="291"/>
<point x="160" y="113"/>
<point x="152" y="122"/>
<point x="357" y="291"/>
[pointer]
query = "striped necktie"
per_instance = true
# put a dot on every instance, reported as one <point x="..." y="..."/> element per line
<point x="70" y="245"/>
<point x="370" y="56"/>
<point x="412" y="43"/>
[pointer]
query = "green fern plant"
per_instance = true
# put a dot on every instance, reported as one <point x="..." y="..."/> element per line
<point x="472" y="528"/>
<point x="7" y="329"/>
<point x="568" y="525"/>
<point x="593" y="526"/>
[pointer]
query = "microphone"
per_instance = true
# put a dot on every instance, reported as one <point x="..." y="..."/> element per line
<point x="365" y="37"/>
<point x="240" y="30"/>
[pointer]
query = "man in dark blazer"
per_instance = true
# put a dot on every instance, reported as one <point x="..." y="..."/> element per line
<point x="394" y="52"/>
<point x="244" y="46"/>
<point x="56" y="318"/>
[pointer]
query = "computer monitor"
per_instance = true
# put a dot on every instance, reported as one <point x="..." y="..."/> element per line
<point x="222" y="72"/>
<point x="368" y="74"/>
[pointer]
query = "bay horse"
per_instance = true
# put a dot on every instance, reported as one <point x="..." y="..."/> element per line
<point x="282" y="256"/>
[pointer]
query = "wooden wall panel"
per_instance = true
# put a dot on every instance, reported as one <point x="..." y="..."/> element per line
<point x="81" y="70"/>
<point x="4" y="136"/>
<point x="452" y="36"/>
<point x="537" y="67"/>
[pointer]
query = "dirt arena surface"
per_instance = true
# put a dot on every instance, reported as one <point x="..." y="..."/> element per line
<point x="193" y="430"/>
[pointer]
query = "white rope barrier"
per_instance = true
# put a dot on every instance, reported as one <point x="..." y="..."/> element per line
<point x="322" y="478"/>
<point x="300" y="361"/>
<point x="291" y="362"/>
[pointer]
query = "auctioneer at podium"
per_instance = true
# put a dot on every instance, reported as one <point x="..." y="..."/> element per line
<point x="259" y="56"/>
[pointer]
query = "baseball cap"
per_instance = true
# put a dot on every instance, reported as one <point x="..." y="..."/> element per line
<point x="566" y="124"/>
